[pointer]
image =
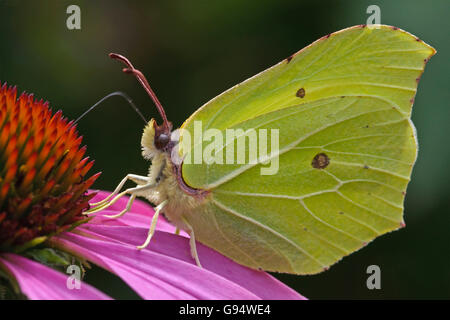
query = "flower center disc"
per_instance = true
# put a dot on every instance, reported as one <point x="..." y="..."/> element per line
<point x="42" y="170"/>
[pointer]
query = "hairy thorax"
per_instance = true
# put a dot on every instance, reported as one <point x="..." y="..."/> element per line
<point x="179" y="202"/>
<point x="167" y="184"/>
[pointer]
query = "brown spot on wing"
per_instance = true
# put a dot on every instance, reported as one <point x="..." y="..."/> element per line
<point x="320" y="161"/>
<point x="300" y="93"/>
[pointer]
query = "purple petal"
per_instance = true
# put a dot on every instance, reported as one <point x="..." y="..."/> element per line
<point x="166" y="270"/>
<point x="131" y="219"/>
<point x="39" y="282"/>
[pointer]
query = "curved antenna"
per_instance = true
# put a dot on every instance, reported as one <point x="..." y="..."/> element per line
<point x="143" y="81"/>
<point x="117" y="93"/>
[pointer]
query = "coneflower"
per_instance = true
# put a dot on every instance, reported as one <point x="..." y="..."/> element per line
<point x="43" y="193"/>
<point x="42" y="172"/>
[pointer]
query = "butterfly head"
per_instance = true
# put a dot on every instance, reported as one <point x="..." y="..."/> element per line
<point x="156" y="139"/>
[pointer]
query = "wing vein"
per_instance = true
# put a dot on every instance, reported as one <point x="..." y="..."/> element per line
<point x="267" y="228"/>
<point x="289" y="147"/>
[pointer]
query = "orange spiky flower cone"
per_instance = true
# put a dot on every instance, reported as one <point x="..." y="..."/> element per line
<point x="42" y="172"/>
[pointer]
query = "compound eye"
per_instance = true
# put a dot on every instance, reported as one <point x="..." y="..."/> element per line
<point x="162" y="140"/>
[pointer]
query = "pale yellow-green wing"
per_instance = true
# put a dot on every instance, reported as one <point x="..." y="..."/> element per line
<point x="346" y="149"/>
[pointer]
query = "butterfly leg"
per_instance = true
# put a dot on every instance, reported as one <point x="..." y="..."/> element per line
<point x="127" y="208"/>
<point x="151" y="231"/>
<point x="133" y="177"/>
<point x="132" y="191"/>
<point x="192" y="243"/>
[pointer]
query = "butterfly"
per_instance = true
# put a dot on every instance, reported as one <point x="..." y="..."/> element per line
<point x="298" y="166"/>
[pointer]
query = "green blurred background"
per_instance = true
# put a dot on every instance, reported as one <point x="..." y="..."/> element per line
<point x="193" y="50"/>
